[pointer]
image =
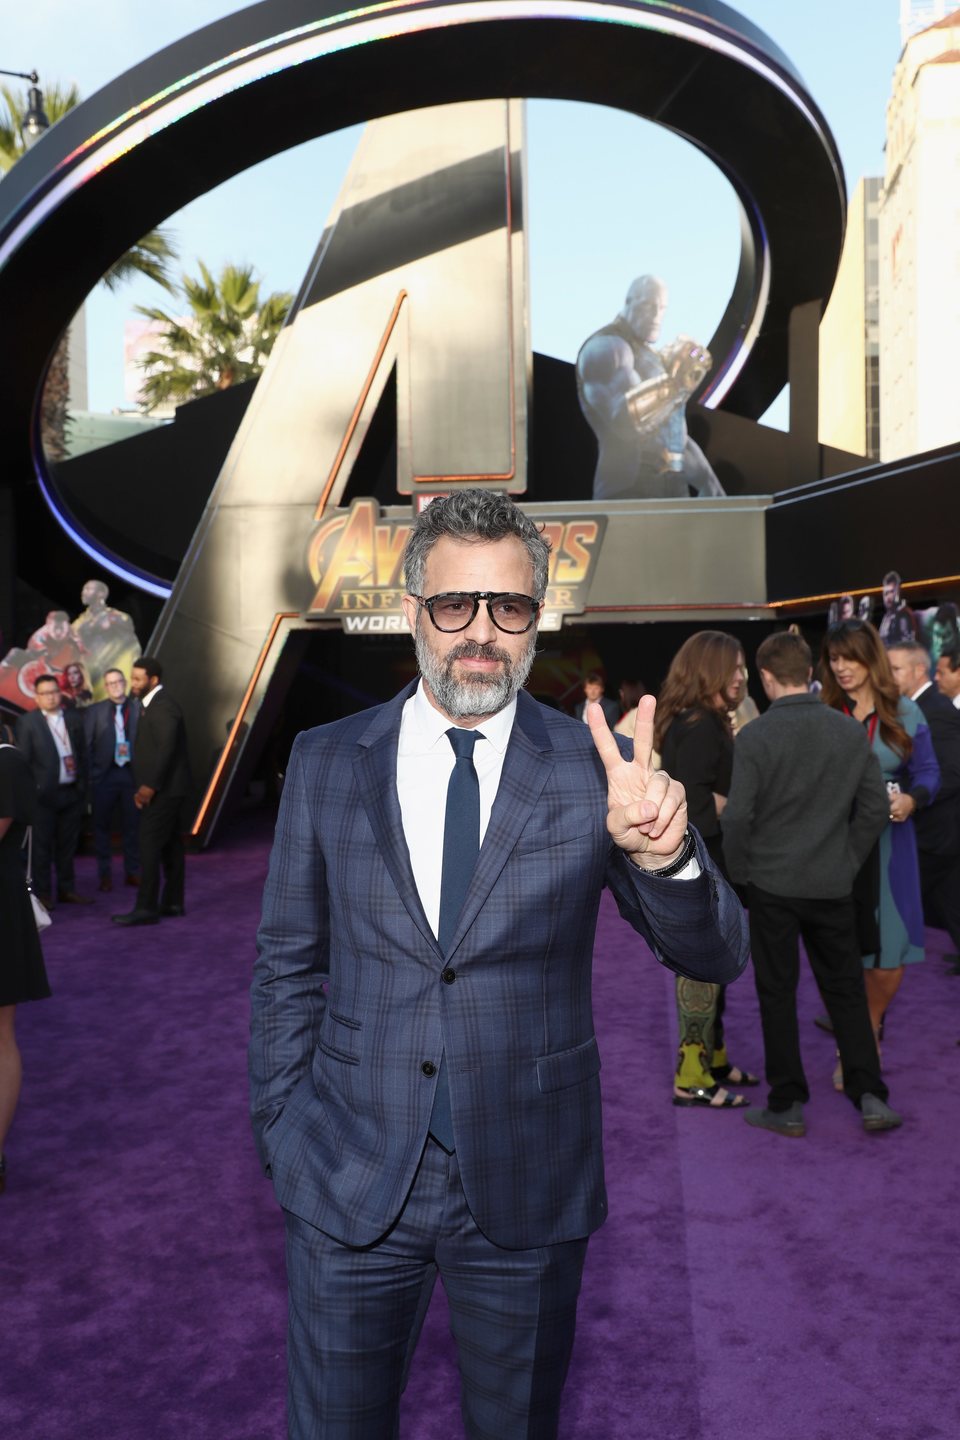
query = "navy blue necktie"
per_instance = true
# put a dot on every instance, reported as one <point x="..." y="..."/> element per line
<point x="461" y="846"/>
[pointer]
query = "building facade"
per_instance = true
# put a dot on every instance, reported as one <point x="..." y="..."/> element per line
<point x="850" y="334"/>
<point x="917" y="15"/>
<point x="919" y="225"/>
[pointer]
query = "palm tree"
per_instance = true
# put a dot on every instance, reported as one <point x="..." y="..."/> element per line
<point x="152" y="256"/>
<point x="224" y="340"/>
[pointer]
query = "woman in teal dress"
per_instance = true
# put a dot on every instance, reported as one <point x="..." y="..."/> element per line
<point x="858" y="680"/>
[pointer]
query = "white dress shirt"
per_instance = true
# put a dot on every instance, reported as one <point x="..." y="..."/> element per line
<point x="58" y="730"/>
<point x="917" y="693"/>
<point x="425" y="761"/>
<point x="145" y="701"/>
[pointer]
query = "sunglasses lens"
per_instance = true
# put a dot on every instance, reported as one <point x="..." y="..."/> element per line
<point x="453" y="612"/>
<point x="513" y="613"/>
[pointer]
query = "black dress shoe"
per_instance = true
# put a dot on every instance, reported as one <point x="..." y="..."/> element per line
<point x="877" y="1114"/>
<point x="133" y="880"/>
<point x="70" y="897"/>
<point x="172" y="910"/>
<point x="136" y="917"/>
<point x="781" y="1122"/>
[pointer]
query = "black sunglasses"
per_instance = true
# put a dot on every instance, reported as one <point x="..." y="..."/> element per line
<point x="456" y="609"/>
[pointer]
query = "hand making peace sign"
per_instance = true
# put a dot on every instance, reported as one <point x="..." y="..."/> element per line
<point x="647" y="811"/>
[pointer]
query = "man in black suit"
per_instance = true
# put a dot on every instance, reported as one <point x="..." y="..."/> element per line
<point x="938" y="824"/>
<point x="593" y="685"/>
<point x="948" y="674"/>
<point x="111" y="726"/>
<point x="52" y="742"/>
<point x="162" y="775"/>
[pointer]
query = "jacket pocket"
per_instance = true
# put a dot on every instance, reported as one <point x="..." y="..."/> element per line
<point x="551" y="836"/>
<point x="568" y="1067"/>
<point x="340" y="1038"/>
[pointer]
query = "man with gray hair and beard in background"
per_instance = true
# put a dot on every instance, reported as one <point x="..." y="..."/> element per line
<point x="424" y="1069"/>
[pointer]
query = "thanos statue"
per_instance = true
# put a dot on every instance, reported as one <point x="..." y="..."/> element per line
<point x="634" y="398"/>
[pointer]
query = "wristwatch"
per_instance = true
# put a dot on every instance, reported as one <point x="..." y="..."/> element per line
<point x="666" y="872"/>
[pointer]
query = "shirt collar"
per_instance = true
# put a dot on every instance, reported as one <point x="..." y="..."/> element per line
<point x="147" y="698"/>
<point x="917" y="693"/>
<point x="428" y="727"/>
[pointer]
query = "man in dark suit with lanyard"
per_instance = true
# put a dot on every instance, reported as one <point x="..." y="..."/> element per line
<point x="111" y="726"/>
<point x="53" y="744"/>
<point x="161" y="771"/>
<point x="938" y="824"/>
<point x="424" y="1070"/>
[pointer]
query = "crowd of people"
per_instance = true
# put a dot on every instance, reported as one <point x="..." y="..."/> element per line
<point x="836" y="817"/>
<point x="423" y="1069"/>
<point x="123" y="756"/>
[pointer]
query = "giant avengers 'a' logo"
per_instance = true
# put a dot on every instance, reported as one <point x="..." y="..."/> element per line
<point x="179" y="124"/>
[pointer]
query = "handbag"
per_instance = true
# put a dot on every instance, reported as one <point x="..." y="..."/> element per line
<point x="41" y="914"/>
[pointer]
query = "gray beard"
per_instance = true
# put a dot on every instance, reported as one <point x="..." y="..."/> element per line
<point x="478" y="695"/>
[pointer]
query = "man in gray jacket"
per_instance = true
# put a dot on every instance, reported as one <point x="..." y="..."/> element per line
<point x="806" y="805"/>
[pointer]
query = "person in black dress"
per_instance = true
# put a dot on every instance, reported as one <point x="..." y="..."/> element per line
<point x="22" y="972"/>
<point x="694" y="737"/>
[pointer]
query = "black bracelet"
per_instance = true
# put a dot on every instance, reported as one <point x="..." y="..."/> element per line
<point x="682" y="861"/>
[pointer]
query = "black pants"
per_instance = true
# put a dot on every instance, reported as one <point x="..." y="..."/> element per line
<point x="113" y="788"/>
<point x="828" y="930"/>
<point x="940" y="885"/>
<point x="56" y="831"/>
<point x="161" y="844"/>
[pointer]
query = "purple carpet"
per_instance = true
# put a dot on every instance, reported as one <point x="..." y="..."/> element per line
<point x="745" y="1288"/>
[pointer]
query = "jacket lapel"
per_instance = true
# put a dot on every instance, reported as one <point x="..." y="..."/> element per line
<point x="527" y="766"/>
<point x="375" y="774"/>
<point x="45" y="736"/>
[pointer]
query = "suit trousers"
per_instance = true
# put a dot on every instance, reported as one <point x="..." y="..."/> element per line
<point x="115" y="787"/>
<point x="828" y="929"/>
<point x="56" y="832"/>
<point x="161" y="845"/>
<point x="940" y="886"/>
<point x="356" y="1314"/>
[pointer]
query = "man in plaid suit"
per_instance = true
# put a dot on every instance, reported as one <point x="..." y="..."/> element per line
<point x="425" y="1087"/>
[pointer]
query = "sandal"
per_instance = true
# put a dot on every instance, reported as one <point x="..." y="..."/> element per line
<point x="733" y="1075"/>
<point x="714" y="1097"/>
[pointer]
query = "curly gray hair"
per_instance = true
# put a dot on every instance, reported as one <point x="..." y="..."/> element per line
<point x="478" y="516"/>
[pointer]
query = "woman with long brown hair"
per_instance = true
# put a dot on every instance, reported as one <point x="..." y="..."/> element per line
<point x="857" y="679"/>
<point x="694" y="736"/>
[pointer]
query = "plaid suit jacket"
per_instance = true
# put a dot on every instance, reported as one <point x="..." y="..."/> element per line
<point x="349" y="1013"/>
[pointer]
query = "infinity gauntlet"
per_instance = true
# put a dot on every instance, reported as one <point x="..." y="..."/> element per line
<point x="686" y="362"/>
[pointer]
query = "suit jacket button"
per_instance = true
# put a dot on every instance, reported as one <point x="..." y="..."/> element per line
<point x="428" y="1068"/>
<point x="448" y="976"/>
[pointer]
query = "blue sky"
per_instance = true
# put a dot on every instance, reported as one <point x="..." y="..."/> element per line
<point x="590" y="232"/>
